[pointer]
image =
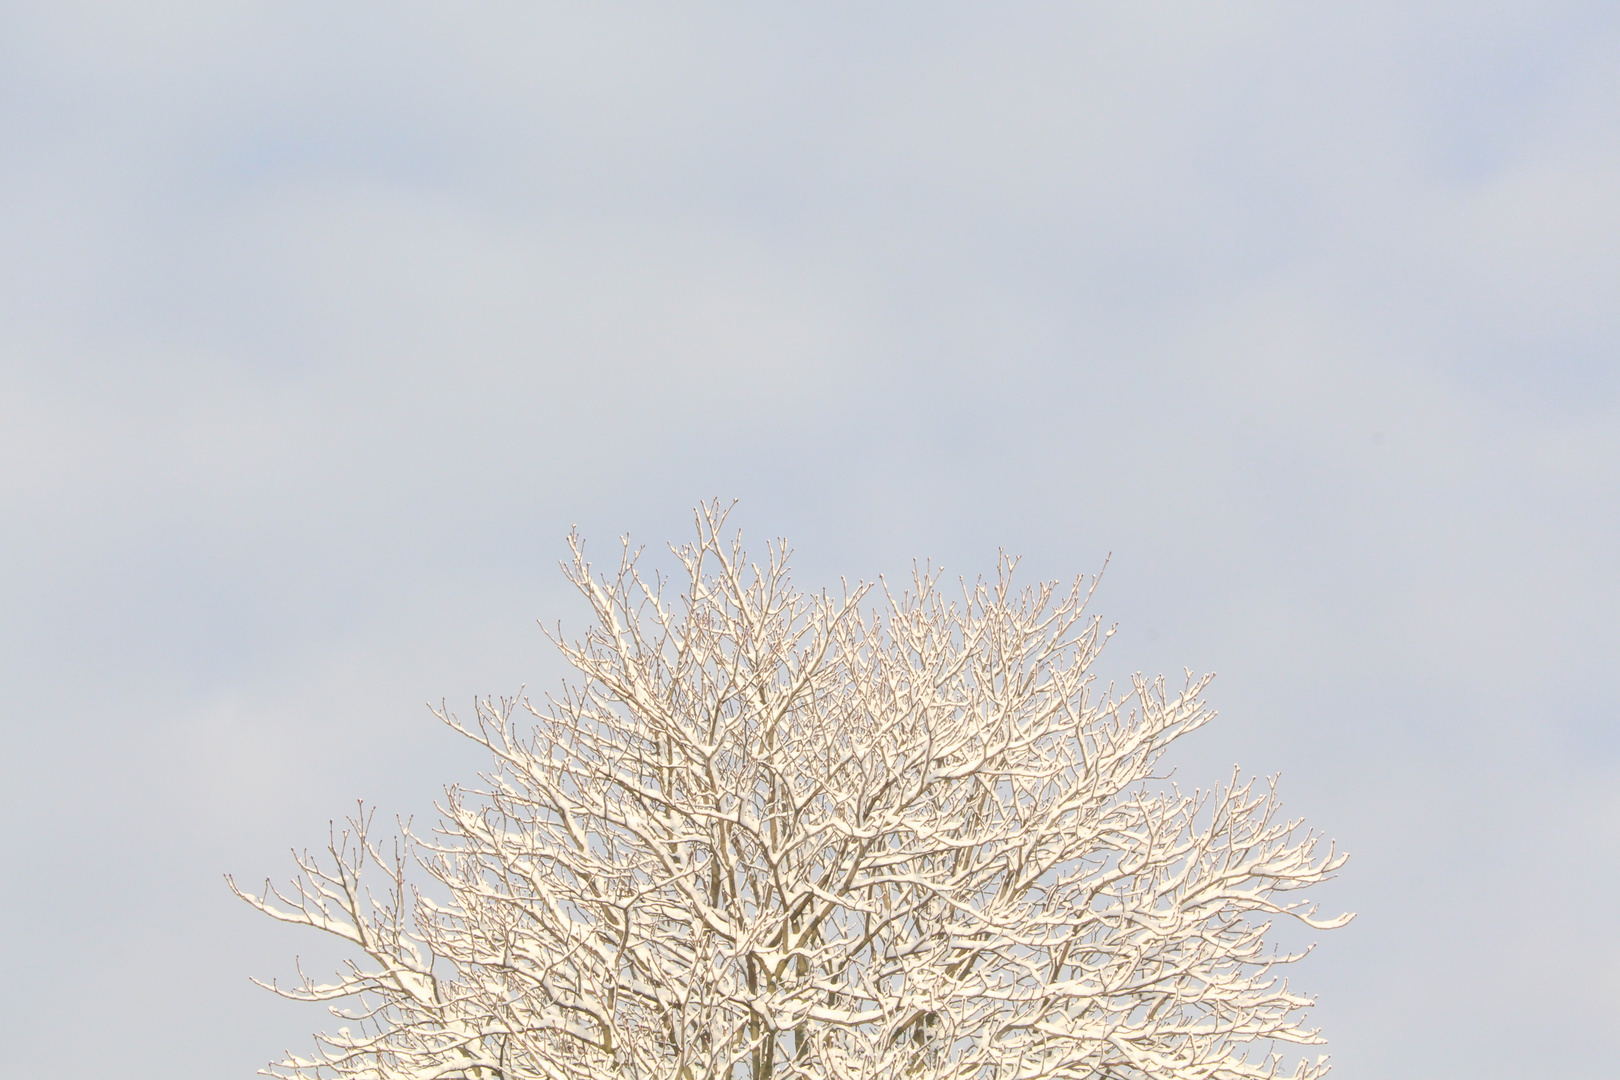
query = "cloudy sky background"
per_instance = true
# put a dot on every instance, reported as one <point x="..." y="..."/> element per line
<point x="321" y="324"/>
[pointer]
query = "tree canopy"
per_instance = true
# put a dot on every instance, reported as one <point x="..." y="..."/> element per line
<point x="774" y="834"/>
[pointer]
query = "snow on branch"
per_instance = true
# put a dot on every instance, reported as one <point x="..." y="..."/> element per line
<point x="768" y="834"/>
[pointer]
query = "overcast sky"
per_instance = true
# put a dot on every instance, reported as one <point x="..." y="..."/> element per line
<point x="321" y="324"/>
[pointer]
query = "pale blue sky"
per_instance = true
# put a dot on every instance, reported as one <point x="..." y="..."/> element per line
<point x="321" y="324"/>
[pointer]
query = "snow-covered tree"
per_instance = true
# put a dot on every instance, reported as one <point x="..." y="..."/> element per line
<point x="770" y="834"/>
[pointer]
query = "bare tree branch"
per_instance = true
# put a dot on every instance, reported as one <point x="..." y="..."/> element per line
<point x="776" y="835"/>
